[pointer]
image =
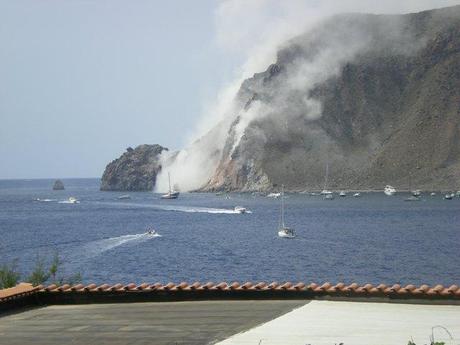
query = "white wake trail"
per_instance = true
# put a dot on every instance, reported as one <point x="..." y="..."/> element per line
<point x="178" y="208"/>
<point x="98" y="247"/>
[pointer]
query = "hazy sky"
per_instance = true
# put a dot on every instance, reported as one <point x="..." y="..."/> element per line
<point x="81" y="80"/>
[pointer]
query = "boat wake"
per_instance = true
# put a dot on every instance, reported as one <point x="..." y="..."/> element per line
<point x="188" y="209"/>
<point x="45" y="200"/>
<point x="98" y="247"/>
<point x="191" y="209"/>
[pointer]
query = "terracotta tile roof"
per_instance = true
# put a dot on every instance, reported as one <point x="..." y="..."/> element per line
<point x="18" y="291"/>
<point x="367" y="289"/>
<point x="311" y="290"/>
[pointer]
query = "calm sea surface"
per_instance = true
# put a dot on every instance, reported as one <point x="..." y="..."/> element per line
<point x="373" y="239"/>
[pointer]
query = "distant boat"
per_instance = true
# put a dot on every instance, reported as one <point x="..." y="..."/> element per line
<point x="274" y="195"/>
<point x="389" y="190"/>
<point x="432" y="193"/>
<point x="449" y="196"/>
<point x="325" y="191"/>
<point x="240" y="209"/>
<point x="124" y="197"/>
<point x="356" y="195"/>
<point x="151" y="232"/>
<point x="73" y="200"/>
<point x="283" y="230"/>
<point x="342" y="193"/>
<point x="171" y="193"/>
<point x="416" y="193"/>
<point x="329" y="196"/>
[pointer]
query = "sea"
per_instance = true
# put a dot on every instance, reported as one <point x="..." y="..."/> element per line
<point x="371" y="239"/>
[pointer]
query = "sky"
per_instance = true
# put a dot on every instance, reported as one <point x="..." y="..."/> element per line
<point x="82" y="80"/>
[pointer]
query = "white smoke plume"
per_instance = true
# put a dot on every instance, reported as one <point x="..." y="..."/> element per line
<point x="253" y="31"/>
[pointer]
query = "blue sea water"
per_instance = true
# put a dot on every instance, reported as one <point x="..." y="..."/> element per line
<point x="372" y="239"/>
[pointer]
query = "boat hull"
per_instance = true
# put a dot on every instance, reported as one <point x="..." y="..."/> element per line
<point x="282" y="234"/>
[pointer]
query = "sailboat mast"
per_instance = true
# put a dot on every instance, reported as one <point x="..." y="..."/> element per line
<point x="282" y="206"/>
<point x="327" y="175"/>
<point x="169" y="182"/>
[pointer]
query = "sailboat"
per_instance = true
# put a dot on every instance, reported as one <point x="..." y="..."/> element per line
<point x="327" y="193"/>
<point x="172" y="194"/>
<point x="415" y="193"/>
<point x="283" y="230"/>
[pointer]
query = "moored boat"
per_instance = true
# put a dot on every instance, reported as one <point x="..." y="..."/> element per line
<point x="283" y="230"/>
<point x="172" y="194"/>
<point x="389" y="190"/>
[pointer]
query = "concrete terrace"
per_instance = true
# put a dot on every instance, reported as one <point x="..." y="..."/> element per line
<point x="158" y="323"/>
<point x="229" y="314"/>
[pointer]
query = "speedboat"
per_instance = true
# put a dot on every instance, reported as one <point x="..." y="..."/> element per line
<point x="389" y="190"/>
<point x="73" y="200"/>
<point x="432" y="193"/>
<point x="416" y="193"/>
<point x="151" y="232"/>
<point x="124" y="197"/>
<point x="356" y="195"/>
<point x="274" y="195"/>
<point x="342" y="193"/>
<point x="240" y="209"/>
<point x="283" y="230"/>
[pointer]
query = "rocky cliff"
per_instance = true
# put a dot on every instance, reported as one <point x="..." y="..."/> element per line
<point x="376" y="97"/>
<point x="135" y="170"/>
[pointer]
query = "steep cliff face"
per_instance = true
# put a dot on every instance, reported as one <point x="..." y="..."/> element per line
<point x="377" y="97"/>
<point x="135" y="170"/>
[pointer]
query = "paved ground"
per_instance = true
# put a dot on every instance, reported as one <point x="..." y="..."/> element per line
<point x="356" y="323"/>
<point x="139" y="323"/>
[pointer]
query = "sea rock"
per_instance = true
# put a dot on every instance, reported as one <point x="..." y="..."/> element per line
<point x="58" y="185"/>
<point x="134" y="170"/>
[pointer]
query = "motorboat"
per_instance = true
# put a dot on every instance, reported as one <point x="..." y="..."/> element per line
<point x="73" y="200"/>
<point x="432" y="193"/>
<point x="274" y="195"/>
<point x="356" y="195"/>
<point x="124" y="197"/>
<point x="240" y="209"/>
<point x="342" y="193"/>
<point x="416" y="193"/>
<point x="172" y="194"/>
<point x="389" y="190"/>
<point x="449" y="196"/>
<point x="151" y="232"/>
<point x="329" y="196"/>
<point x="283" y="230"/>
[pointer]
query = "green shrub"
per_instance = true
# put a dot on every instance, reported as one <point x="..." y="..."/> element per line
<point x="9" y="276"/>
<point x="41" y="274"/>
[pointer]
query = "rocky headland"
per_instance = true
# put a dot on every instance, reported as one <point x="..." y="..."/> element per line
<point x="135" y="170"/>
<point x="374" y="97"/>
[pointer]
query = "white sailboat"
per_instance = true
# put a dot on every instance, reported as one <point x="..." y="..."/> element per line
<point x="327" y="193"/>
<point x="283" y="230"/>
<point x="172" y="194"/>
